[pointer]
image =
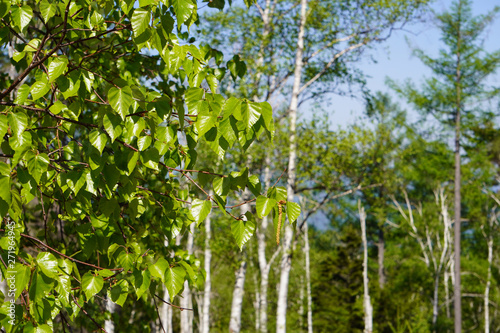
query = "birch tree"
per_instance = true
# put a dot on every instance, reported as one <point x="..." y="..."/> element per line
<point x="207" y="290"/>
<point x="434" y="243"/>
<point x="367" y="305"/>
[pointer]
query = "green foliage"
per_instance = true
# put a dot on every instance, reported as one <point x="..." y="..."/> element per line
<point x="100" y="132"/>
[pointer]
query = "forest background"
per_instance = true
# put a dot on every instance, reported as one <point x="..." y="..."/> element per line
<point x="120" y="214"/>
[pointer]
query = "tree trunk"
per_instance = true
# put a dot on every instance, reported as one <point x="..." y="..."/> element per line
<point x="367" y="305"/>
<point x="381" y="254"/>
<point x="260" y="60"/>
<point x="308" y="279"/>
<point x="489" y="238"/>
<point x="257" y="300"/>
<point x="261" y="253"/>
<point x="447" y="293"/>
<point x="286" y="259"/>
<point x="186" y="299"/>
<point x="205" y="321"/>
<point x="235" y="321"/>
<point x="435" y="301"/>
<point x="487" y="289"/>
<point x="109" y="325"/>
<point x="458" y="201"/>
<point x="236" y="306"/>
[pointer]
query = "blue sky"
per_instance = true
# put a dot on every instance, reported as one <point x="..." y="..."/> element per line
<point x="395" y="60"/>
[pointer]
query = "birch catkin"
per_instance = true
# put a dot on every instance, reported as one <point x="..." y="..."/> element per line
<point x="280" y="215"/>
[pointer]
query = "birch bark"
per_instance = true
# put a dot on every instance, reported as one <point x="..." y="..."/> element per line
<point x="109" y="325"/>
<point x="235" y="321"/>
<point x="286" y="258"/>
<point x="489" y="239"/>
<point x="187" y="299"/>
<point x="205" y="322"/>
<point x="308" y="279"/>
<point x="367" y="305"/>
<point x="238" y="292"/>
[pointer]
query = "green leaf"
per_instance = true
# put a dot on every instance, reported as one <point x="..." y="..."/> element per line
<point x="200" y="209"/>
<point x="5" y="195"/>
<point x="127" y="5"/>
<point x="18" y="122"/>
<point x="264" y="206"/>
<point x="142" y="280"/>
<point x="243" y="229"/>
<point x="112" y="125"/>
<point x="22" y="278"/>
<point x="37" y="165"/>
<point x="40" y="286"/>
<point x="63" y="288"/>
<point x="174" y="280"/>
<point x="250" y="113"/>
<point x="18" y="56"/>
<point x="91" y="284"/>
<point x="144" y="142"/>
<point x="47" y="263"/>
<point x="254" y="185"/>
<point x="22" y="93"/>
<point x="4" y="126"/>
<point x="277" y="193"/>
<point x="193" y="98"/>
<point x="119" y="292"/>
<point x="183" y="10"/>
<point x="98" y="140"/>
<point x="120" y="100"/>
<point x="232" y="106"/>
<point x="267" y="115"/>
<point x="159" y="268"/>
<point x="140" y="21"/>
<point x="204" y="122"/>
<point x="132" y="161"/>
<point x="4" y="7"/>
<point x="21" y="16"/>
<point x="47" y="9"/>
<point x="39" y="89"/>
<point x="57" y="107"/>
<point x="126" y="260"/>
<point x="57" y="67"/>
<point x="32" y="45"/>
<point x="293" y="211"/>
<point x="105" y="272"/>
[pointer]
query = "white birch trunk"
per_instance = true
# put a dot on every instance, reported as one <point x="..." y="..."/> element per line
<point x="367" y="305"/>
<point x="235" y="321"/>
<point x="487" y="289"/>
<point x="205" y="321"/>
<point x="260" y="60"/>
<point x="256" y="303"/>
<point x="308" y="279"/>
<point x="489" y="238"/>
<point x="237" y="303"/>
<point x="109" y="325"/>
<point x="286" y="258"/>
<point x="261" y="254"/>
<point x="447" y="292"/>
<point x="435" y="300"/>
<point x="186" y="299"/>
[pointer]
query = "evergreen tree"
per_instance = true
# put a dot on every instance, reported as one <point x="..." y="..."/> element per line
<point x="456" y="94"/>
